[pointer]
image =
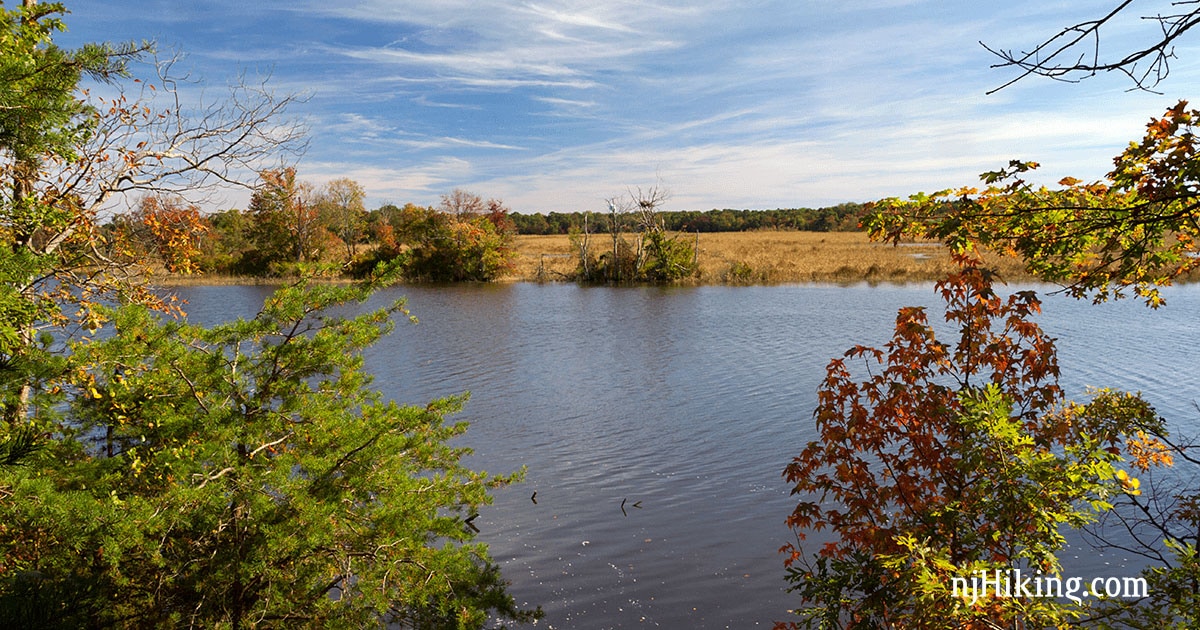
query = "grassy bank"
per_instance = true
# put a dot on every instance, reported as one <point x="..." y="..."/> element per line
<point x="770" y="257"/>
<point x="762" y="257"/>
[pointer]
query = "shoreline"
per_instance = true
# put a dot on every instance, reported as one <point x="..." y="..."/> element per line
<point x="760" y="258"/>
<point x="772" y="257"/>
<point x="765" y="258"/>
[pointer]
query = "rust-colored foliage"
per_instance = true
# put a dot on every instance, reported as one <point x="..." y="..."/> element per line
<point x="948" y="458"/>
<point x="175" y="231"/>
<point x="904" y="415"/>
<point x="1133" y="232"/>
<point x="498" y="215"/>
<point x="288" y="227"/>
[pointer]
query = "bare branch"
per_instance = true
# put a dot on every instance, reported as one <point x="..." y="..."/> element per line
<point x="152" y="142"/>
<point x="1074" y="53"/>
<point x="271" y="444"/>
<point x="646" y="203"/>
<point x="214" y="476"/>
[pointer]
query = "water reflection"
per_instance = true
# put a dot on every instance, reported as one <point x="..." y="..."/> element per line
<point x="687" y="402"/>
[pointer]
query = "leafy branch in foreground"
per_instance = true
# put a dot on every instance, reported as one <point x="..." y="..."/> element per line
<point x="160" y="474"/>
<point x="1136" y="231"/>
<point x="66" y="156"/>
<point x="246" y="476"/>
<point x="1160" y="524"/>
<point x="950" y="458"/>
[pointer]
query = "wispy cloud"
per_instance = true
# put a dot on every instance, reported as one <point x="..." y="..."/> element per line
<point x="471" y="64"/>
<point x="396" y="183"/>
<point x="361" y="130"/>
<point x="577" y="18"/>
<point x="565" y="102"/>
<point x="557" y="104"/>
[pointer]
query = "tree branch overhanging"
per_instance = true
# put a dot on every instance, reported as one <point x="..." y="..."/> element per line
<point x="1074" y="53"/>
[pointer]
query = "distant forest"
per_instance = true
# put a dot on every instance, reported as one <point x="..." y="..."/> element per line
<point x="840" y="218"/>
<point x="290" y="223"/>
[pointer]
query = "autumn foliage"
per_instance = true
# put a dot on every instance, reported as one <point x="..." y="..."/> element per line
<point x="464" y="239"/>
<point x="938" y="459"/>
<point x="159" y="474"/>
<point x="163" y="229"/>
<point x="1132" y="232"/>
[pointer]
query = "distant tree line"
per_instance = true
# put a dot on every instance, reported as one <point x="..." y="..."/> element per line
<point x="840" y="218"/>
<point x="291" y="224"/>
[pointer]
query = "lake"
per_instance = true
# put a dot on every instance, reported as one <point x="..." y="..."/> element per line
<point x="655" y="423"/>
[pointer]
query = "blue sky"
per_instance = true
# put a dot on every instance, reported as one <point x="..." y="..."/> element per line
<point x="556" y="105"/>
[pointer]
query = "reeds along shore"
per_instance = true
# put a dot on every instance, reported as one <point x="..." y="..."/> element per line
<point x="738" y="258"/>
<point x="771" y="257"/>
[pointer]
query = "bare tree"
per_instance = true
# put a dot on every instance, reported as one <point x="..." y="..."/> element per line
<point x="1074" y="53"/>
<point x="462" y="203"/>
<point x="646" y="203"/>
<point x="655" y="256"/>
<point x="582" y="242"/>
<point x="82" y="154"/>
<point x="150" y="142"/>
<point x="341" y="205"/>
<point x="618" y="207"/>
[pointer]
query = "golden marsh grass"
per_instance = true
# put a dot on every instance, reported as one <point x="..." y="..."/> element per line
<point x="770" y="257"/>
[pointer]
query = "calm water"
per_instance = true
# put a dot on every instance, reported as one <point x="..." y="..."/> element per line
<point x="684" y="405"/>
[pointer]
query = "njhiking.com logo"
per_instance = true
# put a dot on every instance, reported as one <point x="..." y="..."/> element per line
<point x="1015" y="583"/>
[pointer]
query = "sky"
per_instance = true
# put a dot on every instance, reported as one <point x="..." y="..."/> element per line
<point x="558" y="105"/>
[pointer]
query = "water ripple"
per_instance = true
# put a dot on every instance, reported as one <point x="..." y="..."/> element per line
<point x="655" y="422"/>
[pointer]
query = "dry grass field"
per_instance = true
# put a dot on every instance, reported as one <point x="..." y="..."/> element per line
<point x="769" y="257"/>
<point x="764" y="257"/>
